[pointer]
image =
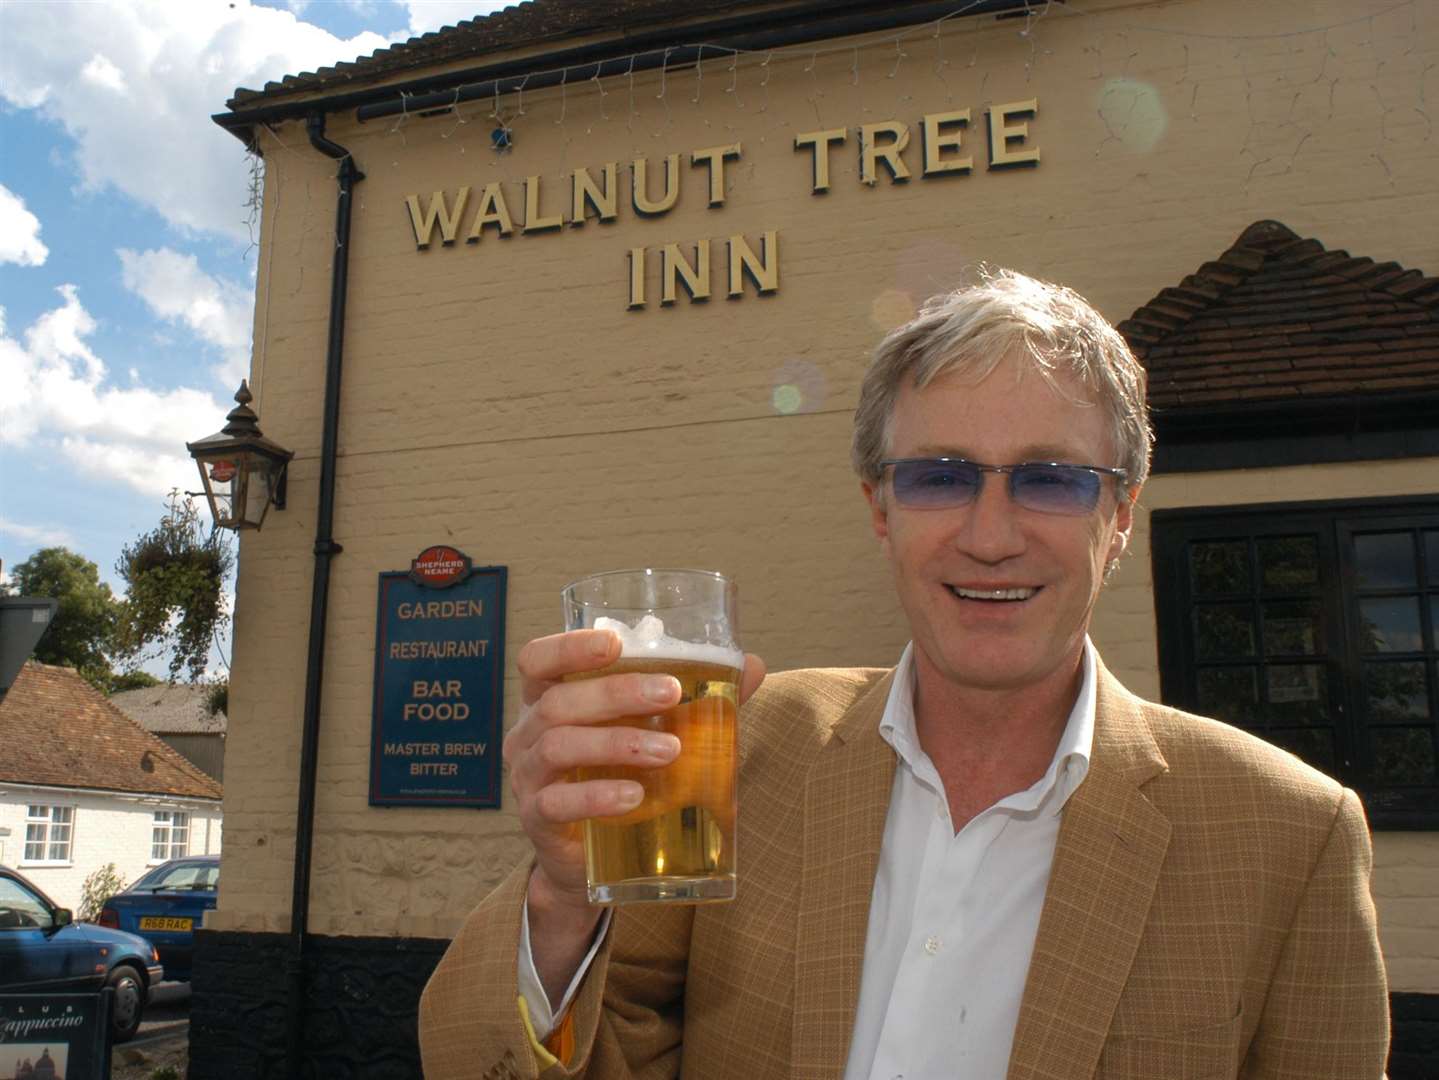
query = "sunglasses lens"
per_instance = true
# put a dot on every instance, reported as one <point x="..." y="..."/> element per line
<point x="1055" y="489"/>
<point x="935" y="484"/>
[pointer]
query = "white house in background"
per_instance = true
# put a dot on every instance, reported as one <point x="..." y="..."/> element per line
<point x="82" y="785"/>
<point x="179" y="715"/>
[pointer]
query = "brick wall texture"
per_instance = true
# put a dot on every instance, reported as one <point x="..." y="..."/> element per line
<point x="500" y="397"/>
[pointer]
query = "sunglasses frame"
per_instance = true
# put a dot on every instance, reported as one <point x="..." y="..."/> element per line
<point x="1099" y="470"/>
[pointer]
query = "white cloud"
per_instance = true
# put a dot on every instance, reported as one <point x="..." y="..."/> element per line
<point x="19" y="232"/>
<point x="176" y="63"/>
<point x="175" y="288"/>
<point x="41" y="535"/>
<point x="55" y="398"/>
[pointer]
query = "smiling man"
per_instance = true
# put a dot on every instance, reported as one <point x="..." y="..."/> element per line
<point x="990" y="861"/>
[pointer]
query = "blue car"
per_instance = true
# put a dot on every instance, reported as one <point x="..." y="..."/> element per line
<point x="165" y="906"/>
<point x="43" y="950"/>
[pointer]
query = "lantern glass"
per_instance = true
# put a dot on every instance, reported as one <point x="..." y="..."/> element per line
<point x="242" y="471"/>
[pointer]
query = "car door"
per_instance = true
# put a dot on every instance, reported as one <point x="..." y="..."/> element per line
<point x="33" y="953"/>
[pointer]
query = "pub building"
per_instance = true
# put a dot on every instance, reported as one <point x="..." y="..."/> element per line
<point x="583" y="286"/>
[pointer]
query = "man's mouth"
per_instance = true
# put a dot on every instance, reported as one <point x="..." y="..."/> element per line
<point x="992" y="595"/>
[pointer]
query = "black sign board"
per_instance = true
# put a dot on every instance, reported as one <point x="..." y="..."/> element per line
<point x="56" y="1036"/>
<point x="439" y="677"/>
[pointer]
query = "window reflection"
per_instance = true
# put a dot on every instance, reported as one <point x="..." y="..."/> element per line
<point x="1385" y="560"/>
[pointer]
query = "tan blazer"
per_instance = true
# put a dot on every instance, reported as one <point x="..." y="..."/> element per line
<point x="1208" y="916"/>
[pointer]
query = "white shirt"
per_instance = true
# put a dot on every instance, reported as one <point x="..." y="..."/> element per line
<point x="952" y="918"/>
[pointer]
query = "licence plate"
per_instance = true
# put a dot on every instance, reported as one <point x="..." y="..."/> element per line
<point x="156" y="922"/>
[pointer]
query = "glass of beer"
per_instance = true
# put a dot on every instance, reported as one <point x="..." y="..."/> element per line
<point x="678" y="844"/>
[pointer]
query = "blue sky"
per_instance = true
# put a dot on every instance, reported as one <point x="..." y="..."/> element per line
<point x="126" y="261"/>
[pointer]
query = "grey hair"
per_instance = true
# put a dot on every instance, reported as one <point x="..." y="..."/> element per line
<point x="973" y="328"/>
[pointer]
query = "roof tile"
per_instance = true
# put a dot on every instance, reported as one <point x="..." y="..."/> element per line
<point x="1284" y="317"/>
<point x="58" y="730"/>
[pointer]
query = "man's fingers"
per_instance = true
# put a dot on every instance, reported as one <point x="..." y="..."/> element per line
<point x="545" y="661"/>
<point x="752" y="676"/>
<point x="565" y="803"/>
<point x="609" y="697"/>
<point x="564" y="748"/>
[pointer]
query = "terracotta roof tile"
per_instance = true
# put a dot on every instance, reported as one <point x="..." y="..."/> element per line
<point x="1277" y="316"/>
<point x="527" y="23"/>
<point x="57" y="729"/>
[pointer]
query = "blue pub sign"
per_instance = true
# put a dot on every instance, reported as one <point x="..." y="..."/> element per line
<point x="439" y="680"/>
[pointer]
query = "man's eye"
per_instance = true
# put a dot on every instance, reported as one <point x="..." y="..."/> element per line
<point x="940" y="478"/>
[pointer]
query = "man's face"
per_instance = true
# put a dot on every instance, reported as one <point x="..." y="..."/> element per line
<point x="1051" y="565"/>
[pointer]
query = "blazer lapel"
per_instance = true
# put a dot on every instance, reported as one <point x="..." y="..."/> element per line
<point x="1112" y="843"/>
<point x="846" y="801"/>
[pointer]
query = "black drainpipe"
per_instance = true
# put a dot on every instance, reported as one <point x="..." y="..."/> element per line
<point x="325" y="549"/>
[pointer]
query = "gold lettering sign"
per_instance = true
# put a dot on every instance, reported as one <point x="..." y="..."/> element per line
<point x="687" y="266"/>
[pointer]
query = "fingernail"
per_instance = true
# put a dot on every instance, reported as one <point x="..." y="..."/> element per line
<point x="600" y="646"/>
<point x="661" y="690"/>
<point x="661" y="746"/>
<point x="629" y="794"/>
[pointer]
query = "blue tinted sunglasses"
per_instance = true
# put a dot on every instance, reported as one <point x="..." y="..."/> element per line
<point x="1048" y="487"/>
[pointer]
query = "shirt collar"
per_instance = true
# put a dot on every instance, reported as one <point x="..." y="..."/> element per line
<point x="1067" y="769"/>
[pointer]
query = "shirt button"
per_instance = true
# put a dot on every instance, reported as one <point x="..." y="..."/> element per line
<point x="932" y="944"/>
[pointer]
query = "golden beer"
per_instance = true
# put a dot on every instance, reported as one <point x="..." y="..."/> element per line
<point x="679" y="842"/>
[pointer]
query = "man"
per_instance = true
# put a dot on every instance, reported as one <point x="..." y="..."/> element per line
<point x="990" y="861"/>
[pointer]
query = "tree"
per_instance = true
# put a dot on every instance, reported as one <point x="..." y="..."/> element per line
<point x="80" y="634"/>
<point x="176" y="575"/>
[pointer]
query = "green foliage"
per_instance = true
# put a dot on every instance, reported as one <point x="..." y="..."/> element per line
<point x="217" y="697"/>
<point x="80" y="634"/>
<point x="176" y="575"/>
<point x="165" y="1072"/>
<point x="97" y="889"/>
<point x="135" y="679"/>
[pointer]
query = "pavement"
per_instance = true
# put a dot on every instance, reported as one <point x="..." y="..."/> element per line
<point x="167" y="1015"/>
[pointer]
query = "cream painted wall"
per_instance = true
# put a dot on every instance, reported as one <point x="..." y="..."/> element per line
<point x="499" y="396"/>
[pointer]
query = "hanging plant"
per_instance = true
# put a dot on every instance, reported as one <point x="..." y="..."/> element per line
<point x="176" y="575"/>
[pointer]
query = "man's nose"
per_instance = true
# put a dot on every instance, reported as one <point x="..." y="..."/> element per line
<point x="991" y="530"/>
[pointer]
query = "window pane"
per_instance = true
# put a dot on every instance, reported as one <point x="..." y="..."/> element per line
<point x="1216" y="568"/>
<point x="1288" y="563"/>
<point x="1390" y="624"/>
<point x="1431" y="555"/>
<point x="1222" y="630"/>
<point x="1229" y="694"/>
<point x="1291" y="628"/>
<point x="1403" y="755"/>
<point x="1395" y="692"/>
<point x="1314" y="745"/>
<point x="1298" y="694"/>
<point x="1385" y="560"/>
<point x="62" y="813"/>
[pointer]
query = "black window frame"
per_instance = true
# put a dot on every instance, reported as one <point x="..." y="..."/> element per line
<point x="1333" y="522"/>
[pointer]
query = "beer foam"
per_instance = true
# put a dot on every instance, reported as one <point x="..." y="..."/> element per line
<point x="647" y="638"/>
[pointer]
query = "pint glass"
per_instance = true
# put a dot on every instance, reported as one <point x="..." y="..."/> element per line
<point x="678" y="844"/>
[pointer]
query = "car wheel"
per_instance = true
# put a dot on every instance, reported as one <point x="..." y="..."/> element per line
<point x="129" y="1003"/>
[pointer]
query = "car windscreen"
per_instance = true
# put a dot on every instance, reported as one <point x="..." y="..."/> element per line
<point x="182" y="877"/>
<point x="20" y="909"/>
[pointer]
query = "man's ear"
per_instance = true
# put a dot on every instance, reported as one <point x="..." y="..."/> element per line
<point x="1123" y="523"/>
<point x="878" y="515"/>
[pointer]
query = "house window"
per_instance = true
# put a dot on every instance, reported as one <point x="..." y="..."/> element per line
<point x="1315" y="626"/>
<point x="47" y="833"/>
<point x="170" y="837"/>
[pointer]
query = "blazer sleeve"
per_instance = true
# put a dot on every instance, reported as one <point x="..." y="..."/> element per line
<point x="1327" y="1013"/>
<point x="628" y="1011"/>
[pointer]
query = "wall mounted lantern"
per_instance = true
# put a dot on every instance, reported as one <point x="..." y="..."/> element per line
<point x="243" y="472"/>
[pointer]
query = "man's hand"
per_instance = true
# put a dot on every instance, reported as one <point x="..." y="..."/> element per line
<point x="556" y="734"/>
